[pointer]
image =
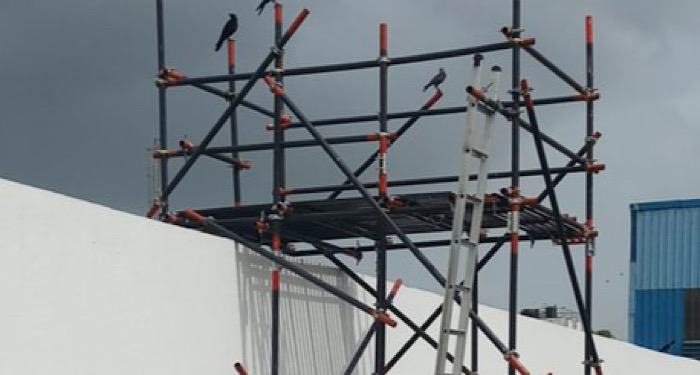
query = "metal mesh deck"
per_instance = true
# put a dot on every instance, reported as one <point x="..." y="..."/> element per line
<point x="350" y="218"/>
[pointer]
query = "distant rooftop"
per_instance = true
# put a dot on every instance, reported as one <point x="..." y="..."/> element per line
<point x="664" y="205"/>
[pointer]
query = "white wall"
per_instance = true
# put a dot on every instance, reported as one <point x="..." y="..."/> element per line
<point x="87" y="290"/>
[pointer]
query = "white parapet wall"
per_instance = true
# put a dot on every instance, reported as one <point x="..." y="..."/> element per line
<point x="87" y="290"/>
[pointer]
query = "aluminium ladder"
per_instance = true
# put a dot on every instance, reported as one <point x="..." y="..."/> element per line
<point x="475" y="154"/>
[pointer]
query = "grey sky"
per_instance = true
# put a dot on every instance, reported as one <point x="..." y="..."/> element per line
<point x="78" y="106"/>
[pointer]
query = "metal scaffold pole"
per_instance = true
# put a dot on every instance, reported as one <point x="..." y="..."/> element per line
<point x="590" y="241"/>
<point x="515" y="186"/>
<point x="236" y="172"/>
<point x="162" y="111"/>
<point x="381" y="242"/>
<point x="277" y="216"/>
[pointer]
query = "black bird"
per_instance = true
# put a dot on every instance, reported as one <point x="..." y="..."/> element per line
<point x="230" y="28"/>
<point x="667" y="346"/>
<point x="437" y="80"/>
<point x="262" y="5"/>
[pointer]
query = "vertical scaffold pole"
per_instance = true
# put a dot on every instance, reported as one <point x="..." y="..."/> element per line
<point x="279" y="152"/>
<point x="380" y="336"/>
<point x="475" y="330"/>
<point x="162" y="109"/>
<point x="590" y="240"/>
<point x="237" y="199"/>
<point x="278" y="184"/>
<point x="515" y="190"/>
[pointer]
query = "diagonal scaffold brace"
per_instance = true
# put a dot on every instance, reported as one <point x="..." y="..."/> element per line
<point x="595" y="360"/>
<point x="211" y="225"/>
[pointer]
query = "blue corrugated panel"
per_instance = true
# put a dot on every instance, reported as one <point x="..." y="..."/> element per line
<point x="658" y="319"/>
<point x="665" y="245"/>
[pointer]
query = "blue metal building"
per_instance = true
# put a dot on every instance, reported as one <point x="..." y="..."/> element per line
<point x="664" y="309"/>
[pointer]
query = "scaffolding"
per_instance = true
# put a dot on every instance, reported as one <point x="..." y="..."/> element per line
<point x="271" y="229"/>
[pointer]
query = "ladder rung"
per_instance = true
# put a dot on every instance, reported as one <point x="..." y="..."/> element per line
<point x="478" y="153"/>
<point x="473" y="198"/>
<point x="456" y="332"/>
<point x="469" y="243"/>
<point x="461" y="287"/>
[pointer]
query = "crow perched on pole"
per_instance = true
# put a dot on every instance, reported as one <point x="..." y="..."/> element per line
<point x="262" y="5"/>
<point x="437" y="80"/>
<point x="230" y="28"/>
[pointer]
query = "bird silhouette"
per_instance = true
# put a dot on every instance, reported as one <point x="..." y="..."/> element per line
<point x="437" y="80"/>
<point x="667" y="346"/>
<point x="228" y="30"/>
<point x="262" y="5"/>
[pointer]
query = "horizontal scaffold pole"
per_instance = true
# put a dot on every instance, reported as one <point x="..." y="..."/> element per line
<point x="427" y="112"/>
<point x="270" y="146"/>
<point x="430" y="180"/>
<point x="421" y="244"/>
<point x="365" y="64"/>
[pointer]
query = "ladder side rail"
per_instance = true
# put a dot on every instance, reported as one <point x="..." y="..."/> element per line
<point x="457" y="227"/>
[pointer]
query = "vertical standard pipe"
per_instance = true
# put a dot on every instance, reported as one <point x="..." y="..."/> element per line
<point x="278" y="183"/>
<point x="380" y="336"/>
<point x="279" y="152"/>
<point x="162" y="109"/>
<point x="237" y="200"/>
<point x="275" y="303"/>
<point x="590" y="241"/>
<point x="515" y="182"/>
<point x="475" y="331"/>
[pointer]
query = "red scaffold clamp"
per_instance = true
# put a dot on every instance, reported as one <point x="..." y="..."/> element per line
<point x="159" y="154"/>
<point x="394" y="201"/>
<point x="154" y="208"/>
<point x="275" y="87"/>
<point x="595" y="167"/>
<point x="169" y="75"/>
<point x="194" y="216"/>
<point x="589" y="95"/>
<point x="383" y="318"/>
<point x="514" y="360"/>
<point x="243" y="164"/>
<point x="476" y="93"/>
<point x="283" y="192"/>
<point x="240" y="369"/>
<point x="261" y="225"/>
<point x="434" y="99"/>
<point x="285" y="121"/>
<point x="173" y="219"/>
